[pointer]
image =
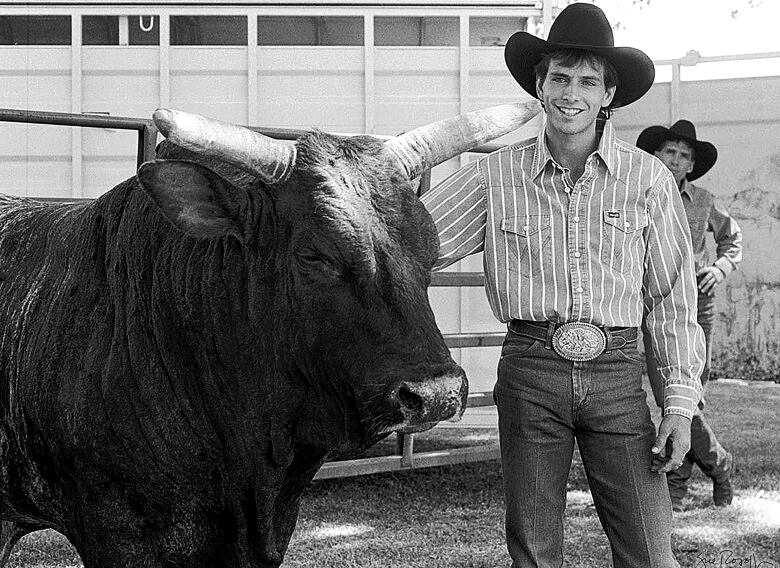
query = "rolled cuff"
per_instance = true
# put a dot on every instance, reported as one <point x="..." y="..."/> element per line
<point x="681" y="398"/>
<point x="679" y="411"/>
<point x="725" y="265"/>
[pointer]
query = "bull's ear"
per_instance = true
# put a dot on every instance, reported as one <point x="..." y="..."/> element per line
<point x="194" y="198"/>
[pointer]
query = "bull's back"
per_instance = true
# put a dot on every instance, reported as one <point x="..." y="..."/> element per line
<point x="47" y="288"/>
<point x="43" y="249"/>
<point x="48" y="297"/>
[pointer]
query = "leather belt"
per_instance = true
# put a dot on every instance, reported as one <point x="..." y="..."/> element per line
<point x="575" y="341"/>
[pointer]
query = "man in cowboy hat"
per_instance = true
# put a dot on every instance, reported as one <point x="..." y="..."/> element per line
<point x="582" y="235"/>
<point x="688" y="159"/>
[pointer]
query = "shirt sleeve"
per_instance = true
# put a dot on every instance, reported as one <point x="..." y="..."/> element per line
<point x="457" y="206"/>
<point x="728" y="238"/>
<point x="669" y="291"/>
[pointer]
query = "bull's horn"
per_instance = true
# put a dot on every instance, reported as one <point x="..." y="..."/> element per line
<point x="259" y="155"/>
<point x="428" y="146"/>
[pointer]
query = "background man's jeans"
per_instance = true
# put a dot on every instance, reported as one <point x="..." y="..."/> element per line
<point x="706" y="451"/>
<point x="545" y="403"/>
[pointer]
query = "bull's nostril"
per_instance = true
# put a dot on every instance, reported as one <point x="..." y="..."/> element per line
<point x="410" y="400"/>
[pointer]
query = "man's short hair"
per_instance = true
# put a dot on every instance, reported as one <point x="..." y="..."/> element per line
<point x="575" y="57"/>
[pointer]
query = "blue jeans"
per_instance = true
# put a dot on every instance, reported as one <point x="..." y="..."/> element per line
<point x="546" y="402"/>
<point x="706" y="451"/>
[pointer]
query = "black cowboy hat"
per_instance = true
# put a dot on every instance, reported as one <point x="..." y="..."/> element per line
<point x="581" y="26"/>
<point x="705" y="153"/>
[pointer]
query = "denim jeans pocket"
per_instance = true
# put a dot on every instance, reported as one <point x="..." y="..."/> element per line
<point x="517" y="345"/>
<point x="629" y="353"/>
<point x="517" y="352"/>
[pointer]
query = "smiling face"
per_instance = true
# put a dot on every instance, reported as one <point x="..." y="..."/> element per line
<point x="572" y="95"/>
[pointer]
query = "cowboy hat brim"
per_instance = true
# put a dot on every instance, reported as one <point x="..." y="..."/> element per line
<point x="705" y="153"/>
<point x="635" y="70"/>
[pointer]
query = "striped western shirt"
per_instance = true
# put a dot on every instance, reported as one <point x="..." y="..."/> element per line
<point x="610" y="249"/>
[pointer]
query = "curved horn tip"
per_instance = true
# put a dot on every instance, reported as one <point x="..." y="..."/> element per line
<point x="164" y="119"/>
<point x="162" y="112"/>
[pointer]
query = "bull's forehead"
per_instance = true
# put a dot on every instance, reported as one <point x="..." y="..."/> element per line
<point x="353" y="177"/>
<point x="342" y="158"/>
<point x="358" y="189"/>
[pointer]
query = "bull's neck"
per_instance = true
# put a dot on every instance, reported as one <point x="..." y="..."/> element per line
<point x="183" y="311"/>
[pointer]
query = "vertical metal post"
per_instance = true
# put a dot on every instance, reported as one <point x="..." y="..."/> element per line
<point x="407" y="460"/>
<point x="165" y="59"/>
<point x="124" y="30"/>
<point x="547" y="15"/>
<point x="368" y="74"/>
<point x="465" y="55"/>
<point x="399" y="443"/>
<point x="404" y="446"/>
<point x="465" y="72"/>
<point x="76" y="97"/>
<point x="674" y="93"/>
<point x="147" y="143"/>
<point x="252" y="107"/>
<point x="425" y="183"/>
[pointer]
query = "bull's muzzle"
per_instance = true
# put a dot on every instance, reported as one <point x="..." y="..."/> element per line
<point x="426" y="402"/>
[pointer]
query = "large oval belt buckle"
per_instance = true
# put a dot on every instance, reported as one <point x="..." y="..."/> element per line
<point x="579" y="341"/>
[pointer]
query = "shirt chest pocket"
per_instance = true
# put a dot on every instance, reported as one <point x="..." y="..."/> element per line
<point x="526" y="241"/>
<point x="622" y="245"/>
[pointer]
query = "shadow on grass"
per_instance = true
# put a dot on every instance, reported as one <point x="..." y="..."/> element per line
<point x="453" y="516"/>
<point x="745" y="534"/>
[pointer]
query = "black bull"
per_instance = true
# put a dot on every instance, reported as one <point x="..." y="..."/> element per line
<point x="179" y="357"/>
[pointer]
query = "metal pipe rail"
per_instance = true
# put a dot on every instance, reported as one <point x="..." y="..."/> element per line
<point x="147" y="131"/>
<point x="405" y="457"/>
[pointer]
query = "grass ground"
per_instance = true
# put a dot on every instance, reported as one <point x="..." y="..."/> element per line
<point x="452" y="516"/>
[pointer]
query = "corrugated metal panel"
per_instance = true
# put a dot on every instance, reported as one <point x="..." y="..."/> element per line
<point x="365" y="88"/>
<point x="304" y="87"/>
<point x="210" y="80"/>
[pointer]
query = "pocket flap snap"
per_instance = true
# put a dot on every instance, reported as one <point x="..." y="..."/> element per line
<point x="625" y="220"/>
<point x="525" y="226"/>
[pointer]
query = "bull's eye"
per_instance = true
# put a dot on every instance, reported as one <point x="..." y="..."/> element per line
<point x="319" y="264"/>
<point x="313" y="258"/>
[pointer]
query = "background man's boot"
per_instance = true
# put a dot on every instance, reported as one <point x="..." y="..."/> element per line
<point x="722" y="493"/>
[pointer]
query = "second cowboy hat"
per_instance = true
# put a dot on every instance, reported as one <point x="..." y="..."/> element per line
<point x="705" y="153"/>
<point x="585" y="27"/>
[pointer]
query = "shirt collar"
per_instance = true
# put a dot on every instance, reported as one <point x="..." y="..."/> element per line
<point x="542" y="155"/>
<point x="605" y="150"/>
<point x="687" y="189"/>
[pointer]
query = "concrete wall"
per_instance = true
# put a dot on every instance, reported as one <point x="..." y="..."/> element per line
<point x="739" y="116"/>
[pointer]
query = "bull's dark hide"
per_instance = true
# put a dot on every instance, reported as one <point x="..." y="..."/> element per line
<point x="179" y="357"/>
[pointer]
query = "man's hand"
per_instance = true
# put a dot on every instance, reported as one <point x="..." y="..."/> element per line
<point x="671" y="444"/>
<point x="709" y="277"/>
